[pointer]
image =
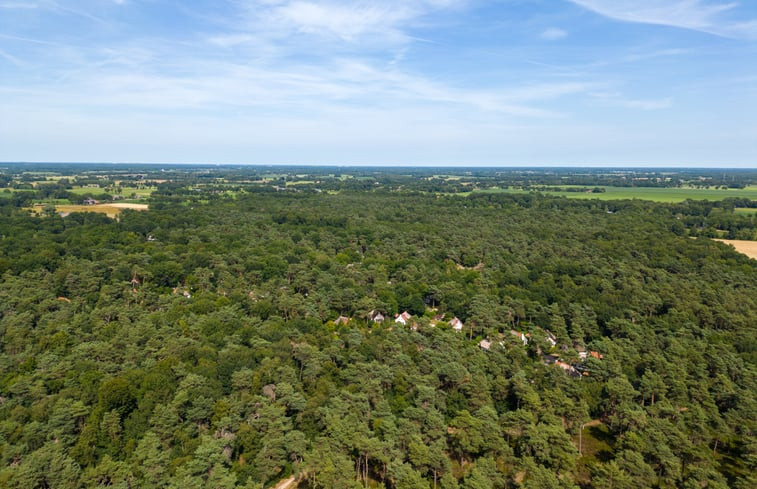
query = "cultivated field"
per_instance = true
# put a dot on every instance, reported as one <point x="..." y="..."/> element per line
<point x="749" y="248"/>
<point x="111" y="210"/>
<point x="127" y="192"/>
<point x="647" y="193"/>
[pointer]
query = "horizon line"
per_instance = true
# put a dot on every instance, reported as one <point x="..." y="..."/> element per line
<point x="384" y="165"/>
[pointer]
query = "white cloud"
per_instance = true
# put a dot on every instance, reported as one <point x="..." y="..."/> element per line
<point x="347" y="20"/>
<point x="231" y="40"/>
<point x="339" y="78"/>
<point x="220" y="87"/>
<point x="260" y="65"/>
<point x="553" y="34"/>
<point x="344" y="21"/>
<point x="701" y="15"/>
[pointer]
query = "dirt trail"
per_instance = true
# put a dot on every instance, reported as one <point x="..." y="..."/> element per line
<point x="290" y="483"/>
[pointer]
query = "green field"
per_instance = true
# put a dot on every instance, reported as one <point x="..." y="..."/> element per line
<point x="646" y="193"/>
<point x="300" y="182"/>
<point x="125" y="191"/>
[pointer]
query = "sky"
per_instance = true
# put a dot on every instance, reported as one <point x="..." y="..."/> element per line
<point x="395" y="82"/>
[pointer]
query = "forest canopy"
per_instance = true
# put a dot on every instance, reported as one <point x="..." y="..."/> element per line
<point x="231" y="339"/>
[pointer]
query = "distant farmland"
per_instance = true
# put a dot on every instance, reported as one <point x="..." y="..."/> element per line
<point x="645" y="193"/>
<point x="749" y="248"/>
<point x="111" y="210"/>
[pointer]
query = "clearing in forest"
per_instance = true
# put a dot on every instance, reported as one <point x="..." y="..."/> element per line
<point x="749" y="248"/>
<point x="111" y="210"/>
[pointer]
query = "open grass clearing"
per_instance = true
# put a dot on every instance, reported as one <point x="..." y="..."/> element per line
<point x="596" y="445"/>
<point x="125" y="191"/>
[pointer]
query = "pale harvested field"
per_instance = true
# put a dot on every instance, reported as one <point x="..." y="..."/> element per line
<point x="125" y="205"/>
<point x="111" y="210"/>
<point x="749" y="248"/>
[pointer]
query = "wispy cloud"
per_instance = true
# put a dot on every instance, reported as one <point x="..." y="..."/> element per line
<point x="293" y="89"/>
<point x="259" y="64"/>
<point x="553" y="34"/>
<point x="700" y="15"/>
<point x="28" y="40"/>
<point x="68" y="8"/>
<point x="660" y="53"/>
<point x="347" y="20"/>
<point x="10" y="58"/>
<point x="396" y="81"/>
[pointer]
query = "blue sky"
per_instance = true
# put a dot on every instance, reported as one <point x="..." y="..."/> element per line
<point x="395" y="82"/>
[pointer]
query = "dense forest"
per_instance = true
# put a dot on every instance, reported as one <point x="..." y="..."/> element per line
<point x="234" y="340"/>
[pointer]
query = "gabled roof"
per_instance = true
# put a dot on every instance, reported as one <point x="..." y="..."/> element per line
<point x="456" y="324"/>
<point x="403" y="318"/>
<point x="522" y="337"/>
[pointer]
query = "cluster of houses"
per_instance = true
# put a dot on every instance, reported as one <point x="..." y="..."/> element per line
<point x="91" y="201"/>
<point x="573" y="370"/>
<point x="405" y="317"/>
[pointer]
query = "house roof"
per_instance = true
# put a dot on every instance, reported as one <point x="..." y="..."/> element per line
<point x="376" y="316"/>
<point x="403" y="318"/>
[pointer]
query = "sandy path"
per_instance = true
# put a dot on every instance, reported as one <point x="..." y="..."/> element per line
<point x="290" y="483"/>
<point x="749" y="248"/>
